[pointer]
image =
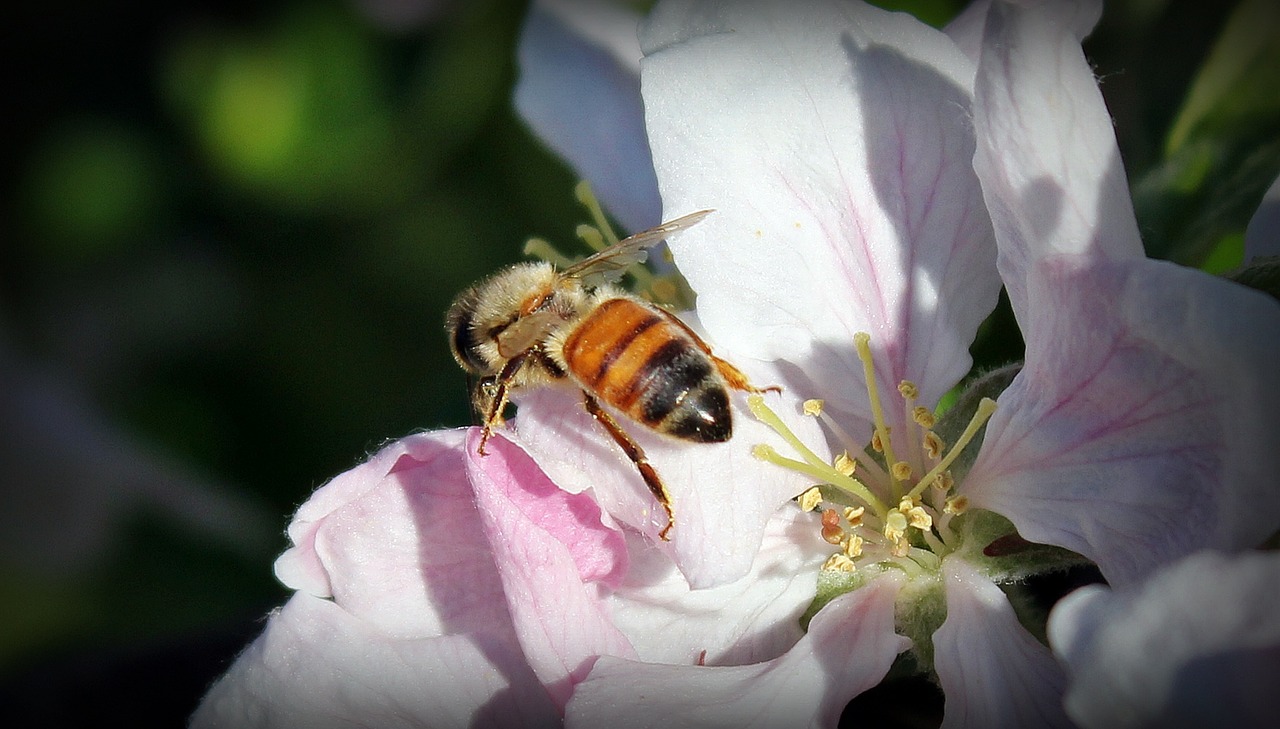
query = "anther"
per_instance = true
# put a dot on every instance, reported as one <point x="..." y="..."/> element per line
<point x="956" y="505"/>
<point x="838" y="562"/>
<point x="922" y="416"/>
<point x="908" y="390"/>
<point x="933" y="445"/>
<point x="901" y="470"/>
<point x="895" y="526"/>
<point x="844" y="464"/>
<point x="810" y="499"/>
<point x="813" y="408"/>
<point x="986" y="407"/>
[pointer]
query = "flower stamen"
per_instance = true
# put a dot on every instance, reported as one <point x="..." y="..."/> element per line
<point x="862" y="341"/>
<point x="985" y="409"/>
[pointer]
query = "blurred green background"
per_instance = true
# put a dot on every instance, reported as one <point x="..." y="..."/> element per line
<point x="229" y="236"/>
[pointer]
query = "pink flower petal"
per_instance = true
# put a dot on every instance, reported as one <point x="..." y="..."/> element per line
<point x="833" y="141"/>
<point x="397" y="541"/>
<point x="1196" y="645"/>
<point x="551" y="550"/>
<point x="993" y="672"/>
<point x="318" y="666"/>
<point x="1047" y="156"/>
<point x="849" y="648"/>
<point x="722" y="495"/>
<point x="579" y="89"/>
<point x="1143" y="426"/>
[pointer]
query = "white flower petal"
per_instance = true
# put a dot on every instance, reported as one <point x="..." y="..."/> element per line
<point x="849" y="648"/>
<point x="1143" y="425"/>
<point x="318" y="666"/>
<point x="579" y="89"/>
<point x="966" y="29"/>
<point x="993" y="672"/>
<point x="1047" y="155"/>
<point x="722" y="495"/>
<point x="754" y="619"/>
<point x="833" y="140"/>
<point x="1262" y="237"/>
<point x="1197" y="645"/>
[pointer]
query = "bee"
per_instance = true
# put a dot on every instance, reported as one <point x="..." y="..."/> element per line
<point x="531" y="325"/>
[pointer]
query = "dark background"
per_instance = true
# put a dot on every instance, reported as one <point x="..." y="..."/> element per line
<point x="229" y="234"/>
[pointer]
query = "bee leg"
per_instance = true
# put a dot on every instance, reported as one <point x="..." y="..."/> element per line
<point x="497" y="397"/>
<point x="634" y="452"/>
<point x="737" y="379"/>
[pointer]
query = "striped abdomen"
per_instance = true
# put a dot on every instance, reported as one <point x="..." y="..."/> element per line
<point x="640" y="361"/>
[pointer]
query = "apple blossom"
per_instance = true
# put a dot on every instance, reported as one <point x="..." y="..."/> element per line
<point x="875" y="182"/>
<point x="1135" y="432"/>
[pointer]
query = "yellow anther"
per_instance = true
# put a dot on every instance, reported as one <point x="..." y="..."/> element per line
<point x="922" y="416"/>
<point x="844" y="464"/>
<point x="876" y="445"/>
<point x="919" y="518"/>
<point x="956" y="505"/>
<point x="810" y="499"/>
<point x="933" y="445"/>
<point x="901" y="470"/>
<point x="986" y="407"/>
<point x="764" y="452"/>
<point x="853" y="515"/>
<point x="813" y="408"/>
<point x="895" y="526"/>
<point x="853" y="546"/>
<point x="908" y="390"/>
<point x="838" y="562"/>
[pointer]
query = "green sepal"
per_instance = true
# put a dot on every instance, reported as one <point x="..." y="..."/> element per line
<point x="990" y="543"/>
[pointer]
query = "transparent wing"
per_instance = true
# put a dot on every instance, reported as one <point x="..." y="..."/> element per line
<point x="608" y="265"/>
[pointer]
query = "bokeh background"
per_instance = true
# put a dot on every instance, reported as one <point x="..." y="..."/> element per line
<point x="229" y="234"/>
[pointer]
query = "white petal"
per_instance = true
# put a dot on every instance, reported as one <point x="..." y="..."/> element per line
<point x="1047" y="155"/>
<point x="579" y="89"/>
<point x="833" y="141"/>
<point x="967" y="27"/>
<point x="754" y="619"/>
<point x="1197" y="645"/>
<point x="993" y="672"/>
<point x="1262" y="237"/>
<point x="722" y="495"/>
<point x="849" y="648"/>
<point x="1143" y="425"/>
<point x="318" y="666"/>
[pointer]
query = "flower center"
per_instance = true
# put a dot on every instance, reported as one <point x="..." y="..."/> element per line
<point x="877" y="507"/>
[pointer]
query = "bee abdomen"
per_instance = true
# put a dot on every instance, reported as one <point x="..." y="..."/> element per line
<point x="636" y="360"/>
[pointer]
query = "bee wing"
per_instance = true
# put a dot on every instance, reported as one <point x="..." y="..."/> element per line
<point x="609" y="264"/>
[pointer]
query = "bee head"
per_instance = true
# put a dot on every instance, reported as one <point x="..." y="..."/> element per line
<point x="479" y="314"/>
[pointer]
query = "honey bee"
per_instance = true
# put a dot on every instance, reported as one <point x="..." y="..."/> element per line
<point x="531" y="325"/>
